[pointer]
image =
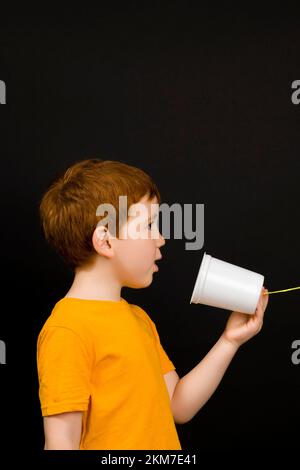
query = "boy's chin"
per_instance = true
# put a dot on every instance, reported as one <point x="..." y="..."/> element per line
<point x="140" y="284"/>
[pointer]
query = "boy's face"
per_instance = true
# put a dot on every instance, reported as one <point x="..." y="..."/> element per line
<point x="133" y="254"/>
<point x="138" y="246"/>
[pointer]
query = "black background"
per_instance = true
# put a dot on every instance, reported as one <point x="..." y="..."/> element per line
<point x="201" y="100"/>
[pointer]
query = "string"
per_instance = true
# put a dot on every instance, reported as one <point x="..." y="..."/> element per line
<point x="277" y="291"/>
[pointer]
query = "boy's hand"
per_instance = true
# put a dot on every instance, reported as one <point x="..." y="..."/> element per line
<point x="241" y="327"/>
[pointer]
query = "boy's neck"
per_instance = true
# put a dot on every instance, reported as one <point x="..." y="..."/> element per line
<point x="95" y="283"/>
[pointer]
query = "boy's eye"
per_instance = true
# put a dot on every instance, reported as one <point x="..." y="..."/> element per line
<point x="152" y="222"/>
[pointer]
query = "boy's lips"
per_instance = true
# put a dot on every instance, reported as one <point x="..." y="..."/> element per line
<point x="155" y="265"/>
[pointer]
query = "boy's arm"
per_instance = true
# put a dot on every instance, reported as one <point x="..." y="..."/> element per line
<point x="193" y="390"/>
<point x="63" y="431"/>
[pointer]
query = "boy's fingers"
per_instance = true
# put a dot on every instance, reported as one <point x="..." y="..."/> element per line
<point x="263" y="302"/>
<point x="265" y="297"/>
<point x="261" y="305"/>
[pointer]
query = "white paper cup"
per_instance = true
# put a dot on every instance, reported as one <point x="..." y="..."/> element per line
<point x="224" y="285"/>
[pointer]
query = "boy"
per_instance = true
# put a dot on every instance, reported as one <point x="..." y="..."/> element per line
<point x="105" y="380"/>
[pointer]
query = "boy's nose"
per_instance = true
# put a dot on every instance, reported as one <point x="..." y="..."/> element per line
<point x="161" y="241"/>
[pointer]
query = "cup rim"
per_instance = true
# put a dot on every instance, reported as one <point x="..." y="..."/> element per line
<point x="200" y="280"/>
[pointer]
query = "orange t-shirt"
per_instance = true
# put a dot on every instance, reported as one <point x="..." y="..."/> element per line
<point x="105" y="358"/>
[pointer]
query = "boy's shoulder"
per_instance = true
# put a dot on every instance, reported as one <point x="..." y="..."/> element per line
<point x="66" y="313"/>
<point x="82" y="316"/>
<point x="61" y="317"/>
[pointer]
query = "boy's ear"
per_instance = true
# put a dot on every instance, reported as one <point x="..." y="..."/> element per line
<point x="101" y="241"/>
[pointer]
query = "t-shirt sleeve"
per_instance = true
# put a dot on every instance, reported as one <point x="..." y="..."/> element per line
<point x="64" y="365"/>
<point x="166" y="364"/>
